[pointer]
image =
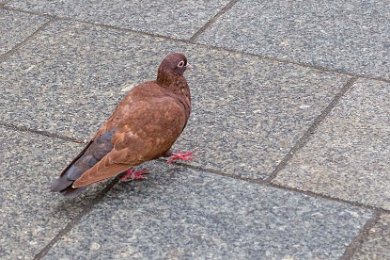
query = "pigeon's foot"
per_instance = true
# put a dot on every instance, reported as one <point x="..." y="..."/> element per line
<point x="133" y="175"/>
<point x="183" y="156"/>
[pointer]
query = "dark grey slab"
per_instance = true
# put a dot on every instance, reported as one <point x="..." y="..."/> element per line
<point x="16" y="27"/>
<point x="179" y="19"/>
<point x="185" y="214"/>
<point x="348" y="157"/>
<point x="377" y="244"/>
<point x="30" y="216"/>
<point x="247" y="112"/>
<point x="351" y="36"/>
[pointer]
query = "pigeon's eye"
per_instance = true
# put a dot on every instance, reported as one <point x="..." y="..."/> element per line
<point x="181" y="64"/>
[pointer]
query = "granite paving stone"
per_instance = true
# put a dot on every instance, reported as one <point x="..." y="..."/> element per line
<point x="351" y="36"/>
<point x="179" y="19"/>
<point x="247" y="112"/>
<point x="348" y="156"/>
<point x="247" y="118"/>
<point x="16" y="27"/>
<point x="180" y="213"/>
<point x="30" y="216"/>
<point x="377" y="244"/>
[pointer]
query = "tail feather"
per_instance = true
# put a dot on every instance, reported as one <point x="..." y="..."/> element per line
<point x="103" y="170"/>
<point x="70" y="175"/>
<point x="88" y="157"/>
<point x="60" y="184"/>
<point x="72" y="192"/>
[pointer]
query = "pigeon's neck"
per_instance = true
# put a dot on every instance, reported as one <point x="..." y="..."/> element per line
<point x="177" y="87"/>
<point x="171" y="81"/>
<point x="174" y="86"/>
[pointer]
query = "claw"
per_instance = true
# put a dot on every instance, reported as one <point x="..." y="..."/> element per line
<point x="184" y="156"/>
<point x="132" y="174"/>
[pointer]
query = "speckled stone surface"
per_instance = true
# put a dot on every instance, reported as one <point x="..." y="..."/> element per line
<point x="179" y="19"/>
<point x="30" y="216"/>
<point x="246" y="119"/>
<point x="247" y="113"/>
<point x="348" y="157"/>
<point x="377" y="244"/>
<point x="351" y="36"/>
<point x="16" y="27"/>
<point x="185" y="214"/>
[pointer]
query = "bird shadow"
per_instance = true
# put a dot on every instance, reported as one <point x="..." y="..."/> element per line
<point x="161" y="174"/>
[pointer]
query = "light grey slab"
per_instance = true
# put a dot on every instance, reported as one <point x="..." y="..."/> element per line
<point x="349" y="155"/>
<point x="351" y="36"/>
<point x="377" y="243"/>
<point x="15" y="27"/>
<point x="30" y="215"/>
<point x="179" y="19"/>
<point x="247" y="113"/>
<point x="180" y="213"/>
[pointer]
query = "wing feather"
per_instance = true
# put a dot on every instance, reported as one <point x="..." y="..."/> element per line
<point x="149" y="135"/>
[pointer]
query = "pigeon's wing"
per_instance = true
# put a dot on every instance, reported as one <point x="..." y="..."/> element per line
<point x="100" y="145"/>
<point x="151" y="130"/>
<point x="93" y="152"/>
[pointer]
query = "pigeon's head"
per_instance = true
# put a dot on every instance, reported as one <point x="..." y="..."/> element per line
<point x="174" y="64"/>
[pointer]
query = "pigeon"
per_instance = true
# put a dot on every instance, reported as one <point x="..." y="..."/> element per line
<point x="143" y="127"/>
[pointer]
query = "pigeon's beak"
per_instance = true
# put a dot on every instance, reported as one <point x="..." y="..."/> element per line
<point x="188" y="66"/>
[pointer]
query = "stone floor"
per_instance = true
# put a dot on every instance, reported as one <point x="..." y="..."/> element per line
<point x="290" y="129"/>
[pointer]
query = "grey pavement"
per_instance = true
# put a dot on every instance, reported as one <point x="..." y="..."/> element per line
<point x="290" y="129"/>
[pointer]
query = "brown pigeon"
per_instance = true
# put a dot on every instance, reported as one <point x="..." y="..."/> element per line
<point x="143" y="127"/>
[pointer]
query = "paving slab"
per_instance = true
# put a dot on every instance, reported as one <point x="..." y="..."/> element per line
<point x="179" y="19"/>
<point x="348" y="156"/>
<point x="179" y="213"/>
<point x="16" y="27"/>
<point x="377" y="244"/>
<point x="351" y="36"/>
<point x="247" y="112"/>
<point x="30" y="216"/>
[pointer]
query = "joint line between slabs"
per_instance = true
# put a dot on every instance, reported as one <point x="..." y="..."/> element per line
<point x="73" y="222"/>
<point x="19" y="45"/>
<point x="358" y="240"/>
<point x="15" y="9"/>
<point x="210" y="22"/>
<point x="280" y="187"/>
<point x="286" y="61"/>
<point x="350" y="250"/>
<point x="40" y="132"/>
<point x="210" y="170"/>
<point x="212" y="47"/>
<point x="311" y="130"/>
<point x="327" y="197"/>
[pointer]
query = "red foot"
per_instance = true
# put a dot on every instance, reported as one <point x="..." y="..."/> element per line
<point x="131" y="175"/>
<point x="184" y="156"/>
